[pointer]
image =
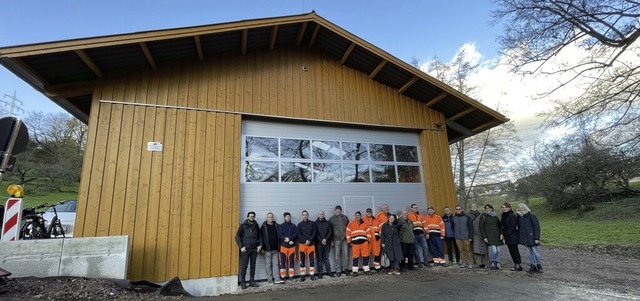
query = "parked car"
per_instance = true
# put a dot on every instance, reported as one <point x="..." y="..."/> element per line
<point x="66" y="214"/>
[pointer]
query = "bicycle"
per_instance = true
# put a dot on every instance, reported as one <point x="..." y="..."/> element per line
<point x="34" y="225"/>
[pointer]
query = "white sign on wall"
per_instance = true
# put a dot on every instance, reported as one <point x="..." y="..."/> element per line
<point x="154" y="146"/>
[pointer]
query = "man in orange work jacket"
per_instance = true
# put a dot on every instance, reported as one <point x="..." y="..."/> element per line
<point x="420" y="245"/>
<point x="374" y="244"/>
<point x="435" y="227"/>
<point x="358" y="236"/>
<point x="381" y="218"/>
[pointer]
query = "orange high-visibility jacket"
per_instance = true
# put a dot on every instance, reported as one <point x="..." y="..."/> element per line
<point x="382" y="218"/>
<point x="358" y="232"/>
<point x="417" y="219"/>
<point x="373" y="225"/>
<point x="434" y="224"/>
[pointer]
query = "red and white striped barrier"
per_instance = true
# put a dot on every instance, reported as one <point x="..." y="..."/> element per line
<point x="12" y="218"/>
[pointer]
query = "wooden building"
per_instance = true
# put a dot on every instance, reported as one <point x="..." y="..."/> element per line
<point x="190" y="128"/>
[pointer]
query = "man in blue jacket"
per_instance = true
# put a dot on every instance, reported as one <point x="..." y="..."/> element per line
<point x="250" y="244"/>
<point x="288" y="236"/>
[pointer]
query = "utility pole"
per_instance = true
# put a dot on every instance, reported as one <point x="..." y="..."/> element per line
<point x="12" y="105"/>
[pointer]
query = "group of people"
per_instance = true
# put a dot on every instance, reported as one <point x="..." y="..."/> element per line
<point x="392" y="241"/>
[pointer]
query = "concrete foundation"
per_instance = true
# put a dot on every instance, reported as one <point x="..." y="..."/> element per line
<point x="213" y="286"/>
<point x="91" y="257"/>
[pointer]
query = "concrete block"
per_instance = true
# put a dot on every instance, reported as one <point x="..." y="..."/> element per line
<point x="95" y="257"/>
<point x="213" y="286"/>
<point x="31" y="258"/>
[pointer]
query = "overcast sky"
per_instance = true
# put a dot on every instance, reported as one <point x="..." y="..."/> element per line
<point x="405" y="29"/>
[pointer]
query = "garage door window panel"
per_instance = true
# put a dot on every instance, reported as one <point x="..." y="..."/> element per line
<point x="295" y="172"/>
<point x="261" y="147"/>
<point x="326" y="150"/>
<point x="409" y="174"/>
<point x="356" y="173"/>
<point x="383" y="173"/>
<point x="355" y="151"/>
<point x="295" y="149"/>
<point x="381" y="152"/>
<point x="261" y="171"/>
<point x="406" y="153"/>
<point x="327" y="172"/>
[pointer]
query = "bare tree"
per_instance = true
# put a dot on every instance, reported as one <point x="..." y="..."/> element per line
<point x="54" y="151"/>
<point x="483" y="157"/>
<point x="605" y="32"/>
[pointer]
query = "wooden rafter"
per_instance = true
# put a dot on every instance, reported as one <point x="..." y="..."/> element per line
<point x="346" y="54"/>
<point x="245" y="38"/>
<point x="32" y="72"/>
<point x="301" y="30"/>
<point x="314" y="35"/>
<point x="410" y="83"/>
<point x="89" y="62"/>
<point x="486" y="125"/>
<point x="378" y="68"/>
<point x="70" y="90"/>
<point x="148" y="55"/>
<point x="272" y="39"/>
<point x="436" y="99"/>
<point x="198" y="47"/>
<point x="464" y="112"/>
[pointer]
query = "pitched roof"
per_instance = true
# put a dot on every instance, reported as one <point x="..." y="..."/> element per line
<point x="65" y="71"/>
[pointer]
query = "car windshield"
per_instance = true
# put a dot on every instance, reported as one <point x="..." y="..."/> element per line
<point x="68" y="206"/>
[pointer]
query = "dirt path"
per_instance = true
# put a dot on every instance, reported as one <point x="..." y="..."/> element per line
<point x="569" y="274"/>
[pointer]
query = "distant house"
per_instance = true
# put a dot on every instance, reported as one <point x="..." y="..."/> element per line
<point x="191" y="128"/>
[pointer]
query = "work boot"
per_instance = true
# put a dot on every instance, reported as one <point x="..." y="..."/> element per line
<point x="319" y="276"/>
<point x="314" y="277"/>
<point x="332" y="275"/>
<point x="539" y="268"/>
<point x="355" y="274"/>
<point x="302" y="278"/>
<point x="532" y="268"/>
<point x="243" y="285"/>
<point x="252" y="283"/>
<point x="367" y="273"/>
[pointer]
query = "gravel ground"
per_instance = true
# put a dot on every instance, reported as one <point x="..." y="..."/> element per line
<point x="606" y="268"/>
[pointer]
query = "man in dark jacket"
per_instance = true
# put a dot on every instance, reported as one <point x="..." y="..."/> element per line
<point x="271" y="247"/>
<point x="323" y="244"/>
<point x="449" y="238"/>
<point x="307" y="248"/>
<point x="462" y="227"/>
<point x="249" y="242"/>
<point x="288" y="236"/>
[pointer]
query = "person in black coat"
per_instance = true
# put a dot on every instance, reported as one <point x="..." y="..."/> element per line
<point x="509" y="224"/>
<point x="529" y="231"/>
<point x="323" y="245"/>
<point x="390" y="242"/>
<point x="250" y="244"/>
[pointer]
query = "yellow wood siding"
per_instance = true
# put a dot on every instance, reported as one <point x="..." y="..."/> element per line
<point x="181" y="206"/>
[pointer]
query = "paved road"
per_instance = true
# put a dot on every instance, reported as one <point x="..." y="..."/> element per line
<point x="455" y="287"/>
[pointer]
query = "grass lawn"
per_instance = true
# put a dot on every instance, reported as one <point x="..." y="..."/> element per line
<point x="616" y="222"/>
<point x="31" y="200"/>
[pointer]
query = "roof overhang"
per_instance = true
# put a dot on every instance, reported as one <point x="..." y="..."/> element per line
<point x="66" y="71"/>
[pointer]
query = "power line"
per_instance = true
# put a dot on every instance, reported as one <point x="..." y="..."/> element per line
<point x="11" y="105"/>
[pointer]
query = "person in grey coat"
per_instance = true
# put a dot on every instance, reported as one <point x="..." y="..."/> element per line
<point x="478" y="246"/>
<point x="390" y="242"/>
<point x="529" y="231"/>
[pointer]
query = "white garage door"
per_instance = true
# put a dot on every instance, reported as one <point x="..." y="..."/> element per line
<point x="291" y="167"/>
